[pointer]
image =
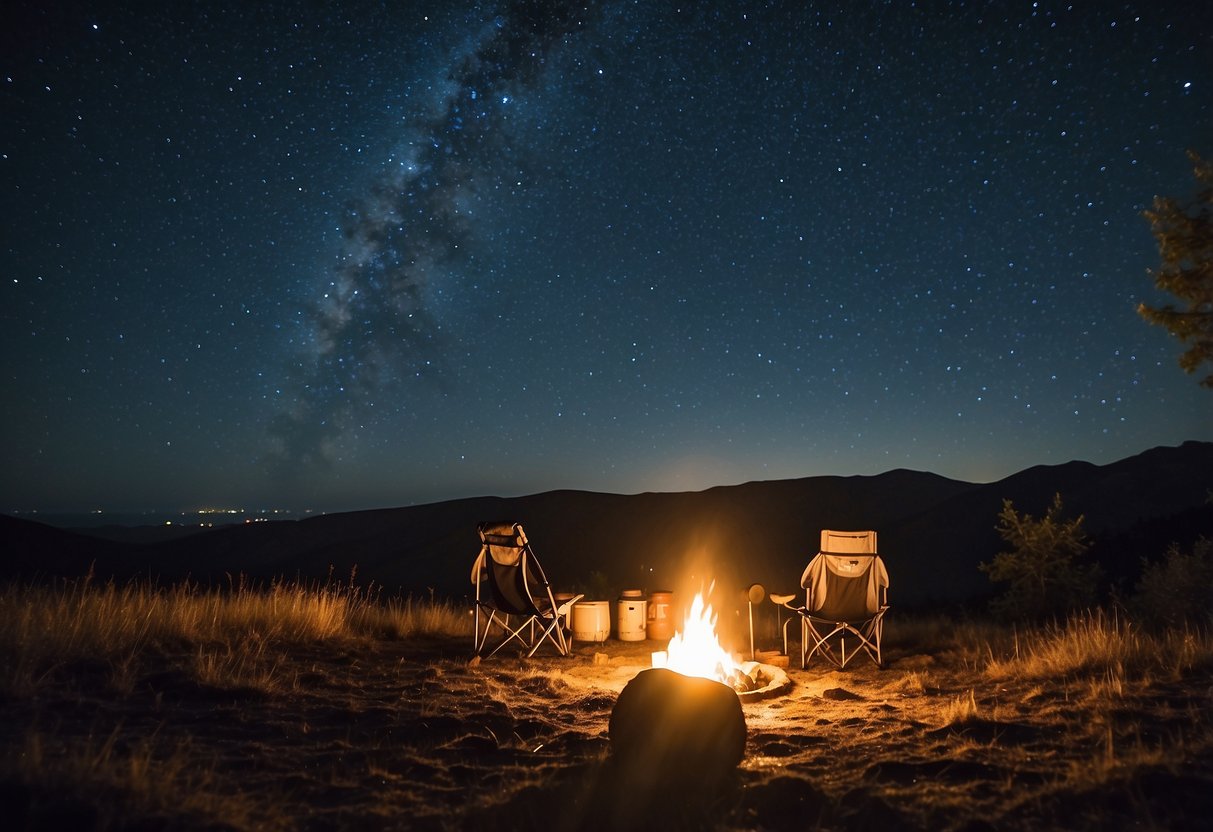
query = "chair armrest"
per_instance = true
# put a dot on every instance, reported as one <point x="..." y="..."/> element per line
<point x="568" y="605"/>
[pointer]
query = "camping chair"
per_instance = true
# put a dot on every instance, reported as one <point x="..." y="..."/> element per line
<point x="510" y="584"/>
<point x="846" y="588"/>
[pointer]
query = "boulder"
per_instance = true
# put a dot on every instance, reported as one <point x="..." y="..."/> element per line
<point x="670" y="727"/>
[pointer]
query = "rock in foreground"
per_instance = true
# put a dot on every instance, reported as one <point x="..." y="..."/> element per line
<point x="666" y="726"/>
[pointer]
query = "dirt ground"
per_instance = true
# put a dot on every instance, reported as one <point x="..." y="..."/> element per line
<point x="409" y="735"/>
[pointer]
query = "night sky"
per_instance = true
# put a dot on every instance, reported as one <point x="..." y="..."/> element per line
<point x="263" y="255"/>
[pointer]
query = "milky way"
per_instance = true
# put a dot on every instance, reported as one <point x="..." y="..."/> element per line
<point x="372" y="327"/>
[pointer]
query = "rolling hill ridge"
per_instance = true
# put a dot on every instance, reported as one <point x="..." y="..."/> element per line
<point x="933" y="533"/>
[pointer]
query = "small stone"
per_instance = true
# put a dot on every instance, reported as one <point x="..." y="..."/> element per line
<point x="839" y="695"/>
<point x="602" y="658"/>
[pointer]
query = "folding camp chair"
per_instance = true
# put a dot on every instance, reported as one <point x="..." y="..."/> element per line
<point x="846" y="588"/>
<point x="510" y="584"/>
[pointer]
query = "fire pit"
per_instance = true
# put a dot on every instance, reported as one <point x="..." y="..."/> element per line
<point x="696" y="651"/>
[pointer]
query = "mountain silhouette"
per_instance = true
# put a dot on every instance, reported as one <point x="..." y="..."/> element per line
<point x="933" y="533"/>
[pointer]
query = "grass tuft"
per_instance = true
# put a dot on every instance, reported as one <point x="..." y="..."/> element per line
<point x="961" y="710"/>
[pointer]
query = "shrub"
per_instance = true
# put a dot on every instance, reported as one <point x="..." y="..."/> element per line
<point x="1043" y="569"/>
<point x="1174" y="591"/>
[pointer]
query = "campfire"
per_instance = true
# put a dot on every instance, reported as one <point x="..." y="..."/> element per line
<point x="696" y="651"/>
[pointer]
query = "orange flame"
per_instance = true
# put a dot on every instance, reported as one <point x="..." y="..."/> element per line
<point x="695" y="650"/>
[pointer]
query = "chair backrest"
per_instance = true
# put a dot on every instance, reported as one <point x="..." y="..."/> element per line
<point x="847" y="579"/>
<point x="506" y="562"/>
<point x="848" y="543"/>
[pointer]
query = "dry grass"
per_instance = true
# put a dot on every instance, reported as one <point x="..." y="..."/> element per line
<point x="1103" y="645"/>
<point x="1115" y="686"/>
<point x="967" y="639"/>
<point x="78" y="640"/>
<point x="45" y="627"/>
<point x="173" y="707"/>
<point x="402" y="618"/>
<point x="101" y="783"/>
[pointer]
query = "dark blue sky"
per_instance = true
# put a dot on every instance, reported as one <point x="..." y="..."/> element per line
<point x="270" y="256"/>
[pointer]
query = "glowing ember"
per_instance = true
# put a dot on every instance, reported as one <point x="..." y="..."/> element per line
<point x="695" y="650"/>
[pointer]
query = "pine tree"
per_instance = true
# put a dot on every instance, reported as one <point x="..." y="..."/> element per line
<point x="1184" y="232"/>
<point x="1043" y="568"/>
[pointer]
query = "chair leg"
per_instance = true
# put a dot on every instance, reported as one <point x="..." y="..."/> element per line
<point x="482" y="633"/>
<point x="869" y="642"/>
<point x="553" y="633"/>
<point x="821" y="642"/>
<point x="530" y="631"/>
<point x="512" y="634"/>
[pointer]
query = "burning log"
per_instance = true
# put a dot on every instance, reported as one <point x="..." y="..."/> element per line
<point x="671" y="726"/>
<point x="748" y="677"/>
